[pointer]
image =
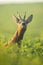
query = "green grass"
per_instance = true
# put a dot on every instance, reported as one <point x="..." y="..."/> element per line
<point x="31" y="51"/>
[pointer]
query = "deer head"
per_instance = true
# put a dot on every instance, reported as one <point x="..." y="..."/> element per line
<point x="22" y="23"/>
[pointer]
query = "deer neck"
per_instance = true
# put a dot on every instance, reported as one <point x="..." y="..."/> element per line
<point x="19" y="34"/>
<point x="21" y="30"/>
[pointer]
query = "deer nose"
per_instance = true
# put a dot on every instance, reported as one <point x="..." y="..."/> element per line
<point x="31" y="15"/>
<point x="23" y="23"/>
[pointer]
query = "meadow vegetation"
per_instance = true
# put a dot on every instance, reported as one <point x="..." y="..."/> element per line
<point x="31" y="50"/>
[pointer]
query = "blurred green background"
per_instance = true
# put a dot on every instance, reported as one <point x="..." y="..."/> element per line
<point x="31" y="51"/>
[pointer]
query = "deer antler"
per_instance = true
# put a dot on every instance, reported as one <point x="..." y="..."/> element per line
<point x="19" y="15"/>
<point x="24" y="15"/>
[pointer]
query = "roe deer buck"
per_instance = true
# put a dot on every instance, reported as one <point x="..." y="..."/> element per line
<point x="22" y="26"/>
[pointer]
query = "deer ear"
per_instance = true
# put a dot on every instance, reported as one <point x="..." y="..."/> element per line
<point x="16" y="19"/>
<point x="29" y="19"/>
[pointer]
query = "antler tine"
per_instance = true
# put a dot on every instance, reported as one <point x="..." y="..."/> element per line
<point x="19" y="15"/>
<point x="24" y="15"/>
